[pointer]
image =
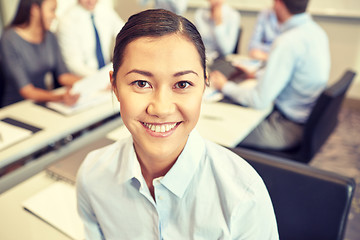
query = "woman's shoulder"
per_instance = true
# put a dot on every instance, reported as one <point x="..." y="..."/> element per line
<point x="229" y="164"/>
<point x="9" y="35"/>
<point x="104" y="157"/>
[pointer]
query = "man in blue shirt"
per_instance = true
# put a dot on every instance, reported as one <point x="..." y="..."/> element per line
<point x="296" y="73"/>
<point x="265" y="32"/>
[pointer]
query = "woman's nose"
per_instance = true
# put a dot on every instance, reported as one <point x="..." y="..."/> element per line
<point x="161" y="104"/>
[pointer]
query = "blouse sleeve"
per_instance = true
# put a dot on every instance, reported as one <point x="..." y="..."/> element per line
<point x="259" y="214"/>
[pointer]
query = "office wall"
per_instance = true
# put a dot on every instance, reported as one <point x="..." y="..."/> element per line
<point x="343" y="30"/>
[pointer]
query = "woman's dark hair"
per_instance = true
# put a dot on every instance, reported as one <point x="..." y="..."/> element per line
<point x="296" y="6"/>
<point x="22" y="16"/>
<point x="156" y="23"/>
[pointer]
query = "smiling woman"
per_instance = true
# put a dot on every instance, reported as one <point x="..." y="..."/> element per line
<point x="166" y="182"/>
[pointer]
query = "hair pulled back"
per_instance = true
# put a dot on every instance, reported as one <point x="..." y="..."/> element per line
<point x="156" y="23"/>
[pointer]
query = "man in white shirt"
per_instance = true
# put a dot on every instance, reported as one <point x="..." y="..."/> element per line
<point x="78" y="38"/>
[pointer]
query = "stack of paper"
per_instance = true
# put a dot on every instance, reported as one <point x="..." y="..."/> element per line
<point x="93" y="90"/>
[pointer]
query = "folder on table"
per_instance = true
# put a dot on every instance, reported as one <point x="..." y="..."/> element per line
<point x="13" y="131"/>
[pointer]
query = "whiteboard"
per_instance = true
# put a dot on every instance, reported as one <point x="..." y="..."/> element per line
<point x="336" y="8"/>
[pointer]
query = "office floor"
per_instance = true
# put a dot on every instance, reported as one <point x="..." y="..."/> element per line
<point x="341" y="154"/>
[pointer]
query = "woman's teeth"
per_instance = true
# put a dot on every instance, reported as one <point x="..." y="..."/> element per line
<point x="159" y="128"/>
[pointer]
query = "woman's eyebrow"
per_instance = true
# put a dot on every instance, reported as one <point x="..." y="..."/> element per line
<point x="145" y="73"/>
<point x="149" y="74"/>
<point x="178" y="74"/>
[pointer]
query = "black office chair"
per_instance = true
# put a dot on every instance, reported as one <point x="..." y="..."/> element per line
<point x="322" y="122"/>
<point x="2" y="83"/>
<point x="309" y="203"/>
<point x="238" y="44"/>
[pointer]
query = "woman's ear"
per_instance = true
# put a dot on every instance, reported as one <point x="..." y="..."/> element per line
<point x="113" y="84"/>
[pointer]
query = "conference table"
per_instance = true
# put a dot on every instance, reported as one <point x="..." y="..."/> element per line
<point x="61" y="135"/>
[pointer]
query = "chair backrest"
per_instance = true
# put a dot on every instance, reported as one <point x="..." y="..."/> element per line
<point x="2" y="83"/>
<point x="238" y="43"/>
<point x="324" y="117"/>
<point x="309" y="203"/>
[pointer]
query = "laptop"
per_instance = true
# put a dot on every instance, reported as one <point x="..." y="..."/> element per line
<point x="231" y="72"/>
<point x="66" y="168"/>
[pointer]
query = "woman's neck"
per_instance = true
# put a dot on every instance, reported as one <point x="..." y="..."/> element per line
<point x="31" y="33"/>
<point x="154" y="167"/>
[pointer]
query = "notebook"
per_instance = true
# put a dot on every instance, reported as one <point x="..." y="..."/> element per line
<point x="56" y="204"/>
<point x="66" y="168"/>
<point x="13" y="131"/>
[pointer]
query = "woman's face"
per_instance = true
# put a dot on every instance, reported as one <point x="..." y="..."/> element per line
<point x="48" y="8"/>
<point x="160" y="86"/>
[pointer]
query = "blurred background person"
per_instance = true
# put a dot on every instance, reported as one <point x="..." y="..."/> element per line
<point x="296" y="73"/>
<point x="264" y="33"/>
<point x="31" y="55"/>
<point x="176" y="6"/>
<point x="86" y="34"/>
<point x="219" y="26"/>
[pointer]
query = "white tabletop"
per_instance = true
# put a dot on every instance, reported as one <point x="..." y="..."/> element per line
<point x="54" y="125"/>
<point x="228" y="124"/>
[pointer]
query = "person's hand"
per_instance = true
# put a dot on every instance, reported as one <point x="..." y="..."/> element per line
<point x="246" y="71"/>
<point x="70" y="99"/>
<point x="258" y="54"/>
<point x="217" y="80"/>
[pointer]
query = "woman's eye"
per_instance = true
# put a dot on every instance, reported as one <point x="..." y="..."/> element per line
<point x="141" y="84"/>
<point x="182" y="84"/>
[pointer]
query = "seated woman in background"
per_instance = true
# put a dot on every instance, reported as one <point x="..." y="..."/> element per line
<point x="265" y="32"/>
<point x="219" y="26"/>
<point x="30" y="54"/>
<point x="166" y="181"/>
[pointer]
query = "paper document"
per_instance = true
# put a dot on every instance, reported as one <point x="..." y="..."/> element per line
<point x="93" y="90"/>
<point x="56" y="205"/>
<point x="10" y="134"/>
<point x="250" y="64"/>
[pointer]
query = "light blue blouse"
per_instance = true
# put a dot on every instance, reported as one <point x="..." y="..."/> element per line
<point x="209" y="193"/>
<point x="265" y="31"/>
<point x="296" y="73"/>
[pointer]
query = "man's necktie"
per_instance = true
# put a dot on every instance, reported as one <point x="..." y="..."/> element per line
<point x="99" y="54"/>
